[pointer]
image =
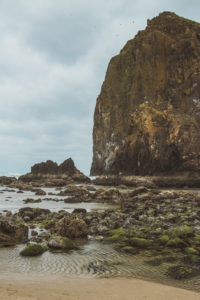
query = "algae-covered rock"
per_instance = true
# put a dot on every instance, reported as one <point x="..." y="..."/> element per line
<point x="33" y="250"/>
<point x="12" y="233"/>
<point x="192" y="251"/>
<point x="147" y="116"/>
<point x="64" y="243"/>
<point x="116" y="236"/>
<point x="129" y="249"/>
<point x="182" y="231"/>
<point x="197" y="239"/>
<point x="182" y="272"/>
<point x="176" y="243"/>
<point x="140" y="243"/>
<point x="164" y="239"/>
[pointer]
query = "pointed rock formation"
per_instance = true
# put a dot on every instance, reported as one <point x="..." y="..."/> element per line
<point x="52" y="174"/>
<point x="147" y="116"/>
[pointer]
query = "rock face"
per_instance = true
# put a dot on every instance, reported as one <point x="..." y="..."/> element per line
<point x="147" y="116"/>
<point x="55" y="174"/>
<point x="4" y="180"/>
<point x="11" y="234"/>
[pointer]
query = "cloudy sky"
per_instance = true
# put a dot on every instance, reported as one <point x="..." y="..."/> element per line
<point x="53" y="59"/>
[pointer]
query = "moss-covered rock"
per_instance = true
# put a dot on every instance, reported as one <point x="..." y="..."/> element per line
<point x="129" y="249"/>
<point x="176" y="243"/>
<point x="69" y="244"/>
<point x="12" y="233"/>
<point x="33" y="250"/>
<point x="140" y="243"/>
<point x="182" y="232"/>
<point x="191" y="251"/>
<point x="196" y="239"/>
<point x="193" y="259"/>
<point x="116" y="236"/>
<point x="63" y="243"/>
<point x="164" y="239"/>
<point x="182" y="272"/>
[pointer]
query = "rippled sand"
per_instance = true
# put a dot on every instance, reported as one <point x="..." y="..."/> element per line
<point x="93" y="260"/>
<point x="59" y="288"/>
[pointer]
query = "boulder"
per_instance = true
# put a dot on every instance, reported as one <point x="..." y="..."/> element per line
<point x="63" y="243"/>
<point x="40" y="192"/>
<point x="72" y="227"/>
<point x="32" y="213"/>
<point x="33" y="250"/>
<point x="11" y="234"/>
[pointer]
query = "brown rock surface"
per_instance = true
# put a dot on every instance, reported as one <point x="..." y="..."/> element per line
<point x="72" y="228"/>
<point x="147" y="116"/>
<point x="5" y="180"/>
<point x="11" y="234"/>
<point x="52" y="174"/>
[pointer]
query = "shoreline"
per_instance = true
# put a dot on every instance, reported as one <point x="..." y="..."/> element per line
<point x="73" y="288"/>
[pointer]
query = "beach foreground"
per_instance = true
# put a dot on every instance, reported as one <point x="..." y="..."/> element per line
<point x="90" y="289"/>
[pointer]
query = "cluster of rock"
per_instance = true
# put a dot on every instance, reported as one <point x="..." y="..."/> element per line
<point x="62" y="228"/>
<point x="147" y="116"/>
<point x="165" y="226"/>
<point x="186" y="181"/>
<point x="52" y="174"/>
<point x="6" y="180"/>
<point x="12" y="233"/>
<point x="165" y="223"/>
<point x="47" y="174"/>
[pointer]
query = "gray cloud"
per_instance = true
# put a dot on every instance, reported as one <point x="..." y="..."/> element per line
<point x="53" y="59"/>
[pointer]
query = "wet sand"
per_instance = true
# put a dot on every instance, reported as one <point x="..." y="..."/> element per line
<point x="60" y="288"/>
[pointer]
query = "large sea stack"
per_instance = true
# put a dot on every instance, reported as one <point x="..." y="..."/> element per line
<point x="147" y="116"/>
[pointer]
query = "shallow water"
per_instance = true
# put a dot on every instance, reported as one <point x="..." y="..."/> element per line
<point x="13" y="201"/>
<point x="93" y="260"/>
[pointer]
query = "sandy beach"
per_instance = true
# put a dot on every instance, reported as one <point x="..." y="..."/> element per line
<point x="89" y="289"/>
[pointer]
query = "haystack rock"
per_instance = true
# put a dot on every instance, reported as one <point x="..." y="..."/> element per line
<point x="147" y="116"/>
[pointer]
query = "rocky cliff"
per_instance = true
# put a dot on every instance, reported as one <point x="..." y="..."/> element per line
<point x="147" y="116"/>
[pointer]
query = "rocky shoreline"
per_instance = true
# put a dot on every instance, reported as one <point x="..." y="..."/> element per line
<point x="186" y="180"/>
<point x="164" y="225"/>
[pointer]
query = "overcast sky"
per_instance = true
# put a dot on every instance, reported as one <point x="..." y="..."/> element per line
<point x="53" y="59"/>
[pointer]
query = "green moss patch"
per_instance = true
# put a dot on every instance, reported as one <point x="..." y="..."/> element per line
<point x="68" y="244"/>
<point x="33" y="250"/>
<point x="116" y="236"/>
<point x="129" y="249"/>
<point x="140" y="243"/>
<point x="176" y="243"/>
